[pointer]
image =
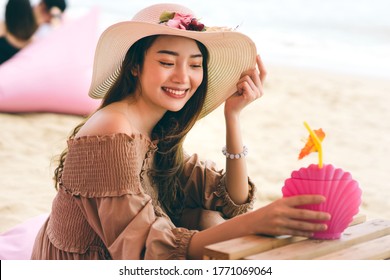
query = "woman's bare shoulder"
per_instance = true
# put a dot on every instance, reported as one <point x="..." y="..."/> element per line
<point x="106" y="121"/>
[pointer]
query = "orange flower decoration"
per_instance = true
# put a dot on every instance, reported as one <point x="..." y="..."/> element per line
<point x="310" y="147"/>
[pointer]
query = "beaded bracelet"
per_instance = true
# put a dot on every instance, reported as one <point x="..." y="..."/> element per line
<point x="235" y="156"/>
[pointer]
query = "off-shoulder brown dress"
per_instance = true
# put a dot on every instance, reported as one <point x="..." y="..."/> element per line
<point x="108" y="208"/>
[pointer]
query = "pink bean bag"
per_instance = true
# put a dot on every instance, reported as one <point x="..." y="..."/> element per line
<point x="53" y="74"/>
<point x="17" y="243"/>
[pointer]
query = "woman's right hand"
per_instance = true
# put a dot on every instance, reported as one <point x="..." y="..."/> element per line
<point x="282" y="217"/>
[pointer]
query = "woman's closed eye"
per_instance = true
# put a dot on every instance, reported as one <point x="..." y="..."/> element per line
<point x="166" y="64"/>
<point x="170" y="64"/>
<point x="196" y="65"/>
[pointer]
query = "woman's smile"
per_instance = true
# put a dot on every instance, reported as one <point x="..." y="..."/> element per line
<point x="175" y="93"/>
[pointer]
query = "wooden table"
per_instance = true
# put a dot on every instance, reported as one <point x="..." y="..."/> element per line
<point x="362" y="240"/>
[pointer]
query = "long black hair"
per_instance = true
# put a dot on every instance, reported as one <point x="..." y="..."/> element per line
<point x="20" y="20"/>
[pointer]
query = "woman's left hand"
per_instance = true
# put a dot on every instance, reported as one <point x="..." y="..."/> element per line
<point x="249" y="88"/>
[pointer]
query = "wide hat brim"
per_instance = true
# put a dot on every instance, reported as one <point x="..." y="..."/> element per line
<point x="230" y="53"/>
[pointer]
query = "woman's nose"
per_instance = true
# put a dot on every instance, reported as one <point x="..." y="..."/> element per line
<point x="180" y="75"/>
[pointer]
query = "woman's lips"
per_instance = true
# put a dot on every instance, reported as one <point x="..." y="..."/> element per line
<point x="176" y="93"/>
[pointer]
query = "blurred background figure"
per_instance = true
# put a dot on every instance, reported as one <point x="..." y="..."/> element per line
<point x="48" y="14"/>
<point x="24" y="21"/>
<point x="49" y="11"/>
<point x="18" y="28"/>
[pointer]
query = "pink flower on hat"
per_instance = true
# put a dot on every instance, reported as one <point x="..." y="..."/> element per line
<point x="181" y="21"/>
<point x="196" y="25"/>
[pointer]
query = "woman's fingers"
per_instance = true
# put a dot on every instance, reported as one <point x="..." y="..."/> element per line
<point x="289" y="226"/>
<point x="253" y="78"/>
<point x="299" y="213"/>
<point x="304" y="214"/>
<point x="257" y="74"/>
<point x="299" y="200"/>
<point x="300" y="221"/>
<point x="251" y="84"/>
<point x="284" y="217"/>
<point x="246" y="84"/>
<point x="260" y="66"/>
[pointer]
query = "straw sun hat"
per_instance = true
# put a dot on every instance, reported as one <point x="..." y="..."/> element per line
<point x="230" y="52"/>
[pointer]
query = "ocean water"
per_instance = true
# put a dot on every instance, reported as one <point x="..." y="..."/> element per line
<point x="350" y="36"/>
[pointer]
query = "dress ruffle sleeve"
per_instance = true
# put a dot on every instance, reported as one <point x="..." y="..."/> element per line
<point x="103" y="177"/>
<point x="205" y="187"/>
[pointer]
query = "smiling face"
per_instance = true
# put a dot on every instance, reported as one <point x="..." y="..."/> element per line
<point x="172" y="72"/>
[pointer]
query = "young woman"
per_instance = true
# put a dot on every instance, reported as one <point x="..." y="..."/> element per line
<point x="126" y="189"/>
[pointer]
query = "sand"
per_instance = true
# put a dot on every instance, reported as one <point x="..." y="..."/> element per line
<point x="352" y="110"/>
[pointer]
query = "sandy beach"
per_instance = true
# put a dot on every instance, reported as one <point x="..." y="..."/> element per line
<point x="352" y="110"/>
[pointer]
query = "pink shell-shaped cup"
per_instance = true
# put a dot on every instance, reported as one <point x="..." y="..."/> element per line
<point x="343" y="195"/>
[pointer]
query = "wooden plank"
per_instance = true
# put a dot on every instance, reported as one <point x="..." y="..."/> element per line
<point x="247" y="245"/>
<point x="377" y="249"/>
<point x="310" y="248"/>
<point x="252" y="244"/>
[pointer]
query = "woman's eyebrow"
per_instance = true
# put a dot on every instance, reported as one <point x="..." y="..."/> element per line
<point x="177" y="54"/>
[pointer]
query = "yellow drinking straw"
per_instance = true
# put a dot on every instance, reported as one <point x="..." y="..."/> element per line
<point x="317" y="143"/>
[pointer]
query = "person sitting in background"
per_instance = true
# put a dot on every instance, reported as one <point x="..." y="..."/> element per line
<point x="24" y="21"/>
<point x="19" y="28"/>
<point x="49" y="12"/>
